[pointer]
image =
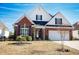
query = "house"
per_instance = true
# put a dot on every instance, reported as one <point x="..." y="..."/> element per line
<point x="43" y="26"/>
<point x="76" y="30"/>
<point x="4" y="32"/>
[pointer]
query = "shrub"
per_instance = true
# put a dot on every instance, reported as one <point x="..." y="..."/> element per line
<point x="29" y="38"/>
<point x="24" y="38"/>
<point x="20" y="38"/>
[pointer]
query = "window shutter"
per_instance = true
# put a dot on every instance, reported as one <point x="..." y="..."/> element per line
<point x="36" y="17"/>
<point x="40" y="17"/>
<point x="55" y="20"/>
<point x="60" y="20"/>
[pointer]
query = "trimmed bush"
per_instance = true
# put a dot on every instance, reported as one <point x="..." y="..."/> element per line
<point x="29" y="38"/>
<point x="24" y="38"/>
<point x="20" y="38"/>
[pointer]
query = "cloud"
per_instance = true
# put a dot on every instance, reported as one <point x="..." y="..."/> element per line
<point x="10" y="8"/>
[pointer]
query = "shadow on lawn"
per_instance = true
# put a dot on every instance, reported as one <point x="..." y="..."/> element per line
<point x="19" y="43"/>
<point x="38" y="52"/>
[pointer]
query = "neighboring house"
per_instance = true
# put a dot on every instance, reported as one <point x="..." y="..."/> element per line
<point x="76" y="31"/>
<point x="43" y="26"/>
<point x="4" y="32"/>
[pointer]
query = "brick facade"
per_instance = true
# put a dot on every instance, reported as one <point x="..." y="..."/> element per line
<point x="22" y="22"/>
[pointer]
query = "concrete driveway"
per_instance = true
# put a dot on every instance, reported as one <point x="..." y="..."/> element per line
<point x="72" y="44"/>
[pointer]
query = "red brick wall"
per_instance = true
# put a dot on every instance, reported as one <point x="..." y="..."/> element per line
<point x="23" y="21"/>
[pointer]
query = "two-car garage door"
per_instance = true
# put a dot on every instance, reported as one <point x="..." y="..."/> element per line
<point x="57" y="35"/>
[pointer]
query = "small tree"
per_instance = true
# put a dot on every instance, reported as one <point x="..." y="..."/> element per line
<point x="62" y="33"/>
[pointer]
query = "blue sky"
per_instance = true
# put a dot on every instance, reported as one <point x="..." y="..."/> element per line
<point x="11" y="12"/>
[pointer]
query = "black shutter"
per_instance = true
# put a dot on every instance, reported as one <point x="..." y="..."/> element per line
<point x="55" y="20"/>
<point x="36" y="17"/>
<point x="40" y="17"/>
<point x="61" y="21"/>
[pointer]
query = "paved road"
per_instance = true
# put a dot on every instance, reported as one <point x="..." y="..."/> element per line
<point x="73" y="44"/>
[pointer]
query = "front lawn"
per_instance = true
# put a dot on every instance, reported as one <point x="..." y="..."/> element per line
<point x="34" y="48"/>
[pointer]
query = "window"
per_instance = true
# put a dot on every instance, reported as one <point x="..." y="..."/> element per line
<point x="24" y="30"/>
<point x="38" y="17"/>
<point x="58" y="20"/>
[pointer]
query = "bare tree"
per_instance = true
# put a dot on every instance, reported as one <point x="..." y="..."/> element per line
<point x="62" y="33"/>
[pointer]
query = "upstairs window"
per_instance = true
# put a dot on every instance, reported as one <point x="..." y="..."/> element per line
<point x="58" y="21"/>
<point x="38" y="17"/>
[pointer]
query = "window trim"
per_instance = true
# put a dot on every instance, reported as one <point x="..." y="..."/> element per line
<point x="38" y="17"/>
<point x="58" y="21"/>
<point x="24" y="30"/>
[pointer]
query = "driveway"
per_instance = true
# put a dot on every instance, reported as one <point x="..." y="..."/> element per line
<point x="72" y="44"/>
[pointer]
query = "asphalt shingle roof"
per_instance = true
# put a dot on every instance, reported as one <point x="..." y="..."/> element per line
<point x="40" y="22"/>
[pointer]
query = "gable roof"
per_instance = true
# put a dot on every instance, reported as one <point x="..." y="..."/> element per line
<point x="38" y="10"/>
<point x="30" y="19"/>
<point x="61" y="15"/>
<point x="77" y="23"/>
<point x="2" y="26"/>
<point x="22" y="18"/>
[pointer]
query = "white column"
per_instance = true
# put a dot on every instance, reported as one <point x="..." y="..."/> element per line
<point x="43" y="33"/>
<point x="34" y="34"/>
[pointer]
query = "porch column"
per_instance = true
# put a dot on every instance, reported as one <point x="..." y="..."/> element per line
<point x="34" y="34"/>
<point x="70" y="34"/>
<point x="43" y="33"/>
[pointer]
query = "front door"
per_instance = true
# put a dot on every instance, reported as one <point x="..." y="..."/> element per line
<point x="39" y="34"/>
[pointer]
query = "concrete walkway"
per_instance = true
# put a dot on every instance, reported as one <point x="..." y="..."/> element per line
<point x="72" y="44"/>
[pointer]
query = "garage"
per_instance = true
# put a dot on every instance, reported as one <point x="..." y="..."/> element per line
<point x="56" y="35"/>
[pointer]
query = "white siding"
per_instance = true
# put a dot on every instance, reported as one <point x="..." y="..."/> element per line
<point x="6" y="34"/>
<point x="0" y="32"/>
<point x="56" y="35"/>
<point x="39" y="11"/>
<point x="58" y="15"/>
<point x="75" y="34"/>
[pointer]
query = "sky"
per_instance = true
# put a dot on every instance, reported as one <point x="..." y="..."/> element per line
<point x="11" y="12"/>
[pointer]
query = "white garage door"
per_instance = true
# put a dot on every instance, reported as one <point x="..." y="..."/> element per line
<point x="56" y="35"/>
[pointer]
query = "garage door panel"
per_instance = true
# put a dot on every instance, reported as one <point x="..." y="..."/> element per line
<point x="66" y="37"/>
<point x="55" y="35"/>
